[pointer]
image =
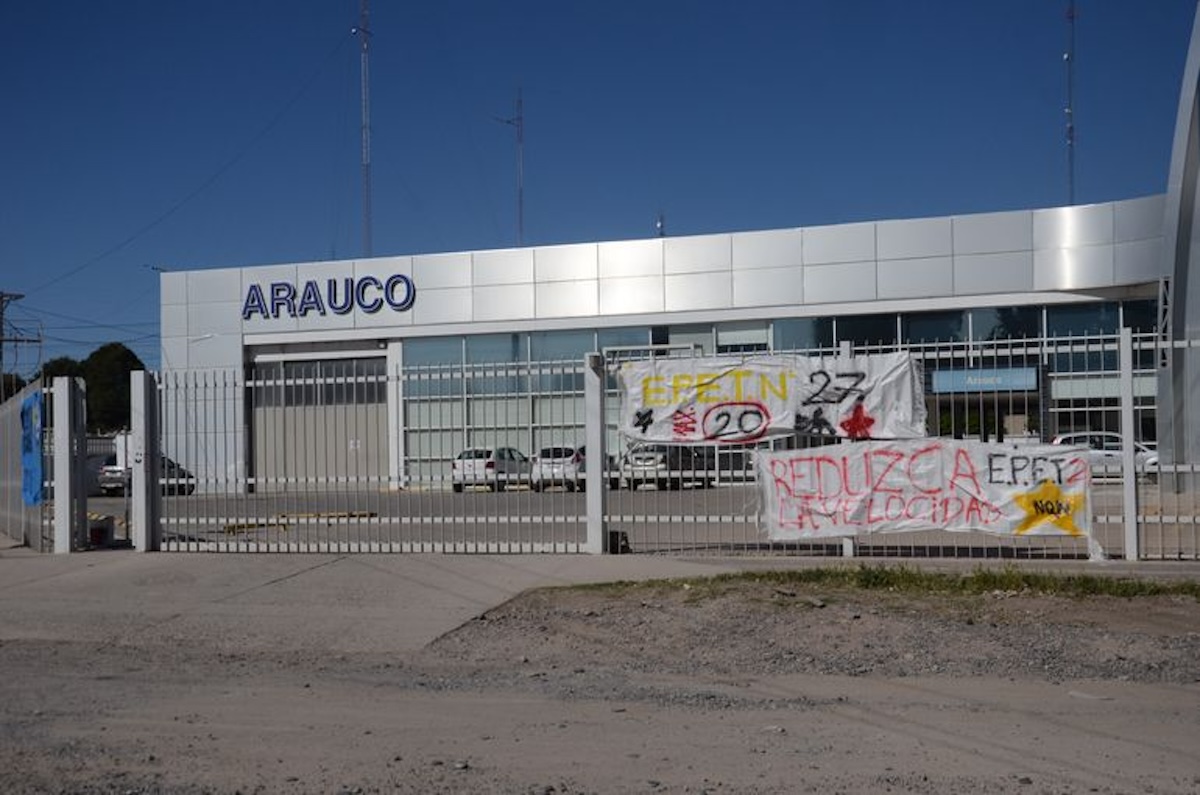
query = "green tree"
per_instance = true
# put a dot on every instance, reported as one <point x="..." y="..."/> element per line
<point x="107" y="374"/>
<point x="61" y="366"/>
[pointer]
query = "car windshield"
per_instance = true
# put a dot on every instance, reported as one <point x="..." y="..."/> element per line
<point x="474" y="454"/>
<point x="557" y="452"/>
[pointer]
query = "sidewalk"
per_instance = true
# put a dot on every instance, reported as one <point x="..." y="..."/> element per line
<point x="372" y="603"/>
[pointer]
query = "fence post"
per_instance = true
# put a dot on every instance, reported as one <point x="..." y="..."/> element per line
<point x="70" y="464"/>
<point x="597" y="456"/>
<point x="144" y="496"/>
<point x="1129" y="469"/>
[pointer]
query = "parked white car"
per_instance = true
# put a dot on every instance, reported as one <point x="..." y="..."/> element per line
<point x="1104" y="452"/>
<point x="494" y="468"/>
<point x="556" y="466"/>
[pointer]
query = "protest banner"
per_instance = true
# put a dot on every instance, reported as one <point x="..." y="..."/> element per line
<point x="735" y="400"/>
<point x="930" y="484"/>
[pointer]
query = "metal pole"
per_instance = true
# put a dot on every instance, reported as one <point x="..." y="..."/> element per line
<point x="1069" y="60"/>
<point x="364" y="33"/>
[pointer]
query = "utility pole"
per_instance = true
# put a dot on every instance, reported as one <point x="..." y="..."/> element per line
<point x="518" y="122"/>
<point x="5" y="299"/>
<point x="363" y="31"/>
<point x="1069" y="60"/>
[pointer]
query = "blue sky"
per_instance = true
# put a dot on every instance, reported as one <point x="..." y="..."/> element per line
<point x="177" y="135"/>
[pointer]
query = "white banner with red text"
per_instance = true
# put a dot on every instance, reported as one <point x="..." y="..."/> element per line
<point x="734" y="400"/>
<point x="931" y="484"/>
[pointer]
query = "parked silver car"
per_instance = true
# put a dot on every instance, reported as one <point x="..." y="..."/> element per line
<point x="494" y="468"/>
<point x="1104" y="452"/>
<point x="556" y="466"/>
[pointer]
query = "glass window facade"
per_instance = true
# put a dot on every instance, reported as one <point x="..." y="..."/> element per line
<point x="1082" y="319"/>
<point x="552" y="346"/>
<point x="491" y="348"/>
<point x="805" y="333"/>
<point x="432" y="350"/>
<point x="1006" y="323"/>
<point x="919" y="327"/>
<point x="867" y="329"/>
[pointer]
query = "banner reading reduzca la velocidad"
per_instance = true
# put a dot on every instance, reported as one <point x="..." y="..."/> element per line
<point x="728" y="400"/>
<point x="927" y="484"/>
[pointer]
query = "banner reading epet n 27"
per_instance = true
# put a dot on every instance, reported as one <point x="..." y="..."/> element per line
<point x="734" y="400"/>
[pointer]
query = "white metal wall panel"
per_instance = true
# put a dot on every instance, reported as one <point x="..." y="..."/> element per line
<point x="213" y="352"/>
<point x="993" y="273"/>
<point x="1139" y="260"/>
<point x="510" y="266"/>
<point x="631" y="258"/>
<point x="505" y="302"/>
<point x="916" y="278"/>
<point x="1068" y="227"/>
<point x="847" y="281"/>
<point x="633" y="295"/>
<point x="173" y="287"/>
<point x="908" y="239"/>
<point x="225" y="284"/>
<point x="1139" y="219"/>
<point x="845" y="243"/>
<point x="568" y="299"/>
<point x="699" y="291"/>
<point x="174" y="320"/>
<point x="1073" y="268"/>
<point x="988" y="233"/>
<point x="775" y="249"/>
<point x="769" y="287"/>
<point x="566" y="263"/>
<point x="442" y="306"/>
<point x="435" y="271"/>
<point x="217" y="318"/>
<point x="697" y="254"/>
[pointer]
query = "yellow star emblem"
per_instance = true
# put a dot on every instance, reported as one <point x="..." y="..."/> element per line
<point x="1047" y="504"/>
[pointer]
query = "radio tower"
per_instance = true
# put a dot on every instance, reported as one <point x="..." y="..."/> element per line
<point x="363" y="31"/>
<point x="1069" y="60"/>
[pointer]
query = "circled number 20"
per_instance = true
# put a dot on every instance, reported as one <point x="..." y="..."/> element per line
<point x="736" y="422"/>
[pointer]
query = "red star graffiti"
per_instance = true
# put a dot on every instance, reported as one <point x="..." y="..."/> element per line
<point x="858" y="425"/>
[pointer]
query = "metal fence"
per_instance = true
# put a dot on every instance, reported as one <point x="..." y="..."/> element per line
<point x="25" y="520"/>
<point x="43" y="466"/>
<point x="354" y="456"/>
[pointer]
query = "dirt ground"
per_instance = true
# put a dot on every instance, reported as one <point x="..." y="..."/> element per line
<point x="747" y="688"/>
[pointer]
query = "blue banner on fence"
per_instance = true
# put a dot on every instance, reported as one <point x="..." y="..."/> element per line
<point x="31" y="448"/>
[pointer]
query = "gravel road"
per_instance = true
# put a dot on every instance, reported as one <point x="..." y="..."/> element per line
<point x="745" y="687"/>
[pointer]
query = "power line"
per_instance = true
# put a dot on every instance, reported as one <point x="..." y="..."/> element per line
<point x="220" y="172"/>
<point x="5" y="299"/>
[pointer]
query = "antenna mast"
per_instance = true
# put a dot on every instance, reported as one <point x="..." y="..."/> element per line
<point x="363" y="31"/>
<point x="518" y="122"/>
<point x="1069" y="60"/>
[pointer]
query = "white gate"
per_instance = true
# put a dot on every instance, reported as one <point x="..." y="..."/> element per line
<point x="526" y="457"/>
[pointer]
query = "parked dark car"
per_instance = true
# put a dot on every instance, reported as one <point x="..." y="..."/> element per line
<point x="175" y="480"/>
<point x="612" y="470"/>
<point x="668" y="466"/>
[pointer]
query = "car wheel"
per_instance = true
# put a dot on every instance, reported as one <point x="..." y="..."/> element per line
<point x="457" y="488"/>
<point x="536" y="485"/>
<point x="500" y="485"/>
